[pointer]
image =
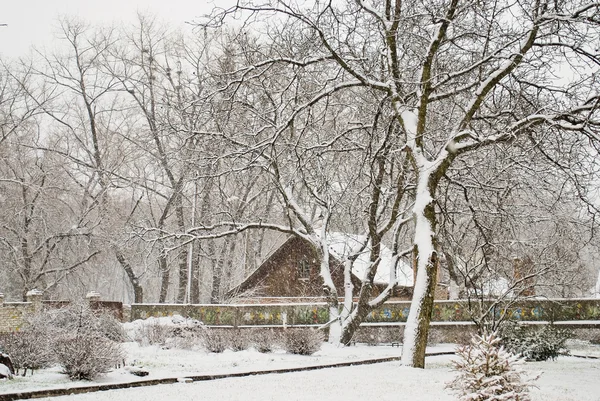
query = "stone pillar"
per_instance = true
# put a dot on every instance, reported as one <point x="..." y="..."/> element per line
<point x="35" y="298"/>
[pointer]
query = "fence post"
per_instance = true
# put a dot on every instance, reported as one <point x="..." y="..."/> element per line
<point x="1" y="299"/>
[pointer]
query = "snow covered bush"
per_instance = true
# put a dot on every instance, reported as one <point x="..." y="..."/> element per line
<point x="152" y="332"/>
<point x="487" y="372"/>
<point x="85" y="342"/>
<point x="534" y="343"/>
<point x="85" y="355"/>
<point x="238" y="340"/>
<point x="42" y="343"/>
<point x="168" y="331"/>
<point x="264" y="340"/>
<point x="302" y="341"/>
<point x="29" y="349"/>
<point x="187" y="341"/>
<point x="74" y="316"/>
<point x="5" y="372"/>
<point x="215" y="340"/>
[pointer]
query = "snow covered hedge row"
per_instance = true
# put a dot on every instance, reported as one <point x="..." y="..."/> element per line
<point x="178" y="332"/>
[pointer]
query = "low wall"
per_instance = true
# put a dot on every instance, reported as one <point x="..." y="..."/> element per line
<point x="391" y="312"/>
<point x="13" y="314"/>
<point x="546" y="310"/>
<point x="239" y="315"/>
<point x="583" y="312"/>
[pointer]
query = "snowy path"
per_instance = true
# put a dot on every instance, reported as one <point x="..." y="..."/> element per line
<point x="383" y="382"/>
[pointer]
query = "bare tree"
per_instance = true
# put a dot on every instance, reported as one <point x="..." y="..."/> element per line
<point x="458" y="76"/>
<point x="89" y="123"/>
<point x="315" y="177"/>
<point x="40" y="237"/>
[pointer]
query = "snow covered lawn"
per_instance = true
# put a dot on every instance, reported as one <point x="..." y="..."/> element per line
<point x="162" y="363"/>
<point x="566" y="379"/>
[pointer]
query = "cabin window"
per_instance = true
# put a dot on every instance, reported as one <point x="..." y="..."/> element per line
<point x="304" y="269"/>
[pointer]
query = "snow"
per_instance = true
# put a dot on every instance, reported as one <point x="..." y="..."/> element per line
<point x="341" y="245"/>
<point x="496" y="287"/>
<point x="424" y="241"/>
<point x="33" y="292"/>
<point x="567" y="379"/>
<point x="410" y="120"/>
<point x="597" y="288"/>
<point x="5" y="371"/>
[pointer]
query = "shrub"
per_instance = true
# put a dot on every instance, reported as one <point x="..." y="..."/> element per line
<point x="302" y="341"/>
<point x="153" y="332"/>
<point x="106" y="324"/>
<point x="28" y="349"/>
<point x="84" y="341"/>
<point x="533" y="343"/>
<point x="238" y="340"/>
<point x="486" y="372"/>
<point x="48" y="338"/>
<point x="86" y="354"/>
<point x="182" y="342"/>
<point x="168" y="332"/>
<point x="74" y="316"/>
<point x="264" y="340"/>
<point x="214" y="340"/>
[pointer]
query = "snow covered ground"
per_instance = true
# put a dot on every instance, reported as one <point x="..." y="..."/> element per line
<point x="566" y="379"/>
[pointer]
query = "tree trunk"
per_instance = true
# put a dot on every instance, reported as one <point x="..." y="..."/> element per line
<point x="329" y="290"/>
<point x="138" y="290"/>
<point x="164" y="284"/>
<point x="183" y="253"/>
<point x="417" y="326"/>
<point x="195" y="285"/>
<point x="229" y="265"/>
<point x="419" y="317"/>
<point x="215" y="296"/>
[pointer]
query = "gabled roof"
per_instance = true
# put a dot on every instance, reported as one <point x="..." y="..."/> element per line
<point x="341" y="245"/>
<point x="263" y="269"/>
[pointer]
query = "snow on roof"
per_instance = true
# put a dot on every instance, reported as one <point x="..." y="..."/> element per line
<point x="496" y="287"/>
<point x="341" y="245"/>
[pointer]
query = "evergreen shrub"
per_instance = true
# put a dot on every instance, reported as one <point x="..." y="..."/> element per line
<point x="487" y="372"/>
<point x="535" y="343"/>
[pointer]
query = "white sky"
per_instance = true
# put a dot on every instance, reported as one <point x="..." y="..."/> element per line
<point x="34" y="22"/>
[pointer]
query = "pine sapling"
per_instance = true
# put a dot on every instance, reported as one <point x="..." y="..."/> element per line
<point x="487" y="372"/>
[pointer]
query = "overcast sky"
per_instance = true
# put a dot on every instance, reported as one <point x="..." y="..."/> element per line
<point x="34" y="22"/>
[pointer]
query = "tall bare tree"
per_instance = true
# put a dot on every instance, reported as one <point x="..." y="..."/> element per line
<point x="458" y="76"/>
